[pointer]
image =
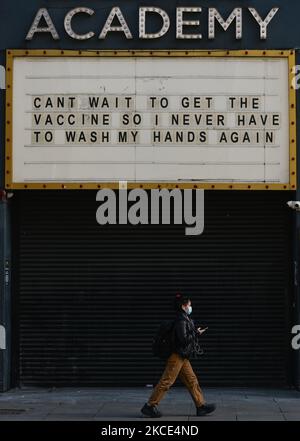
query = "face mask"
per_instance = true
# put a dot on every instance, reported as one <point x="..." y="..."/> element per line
<point x="189" y="310"/>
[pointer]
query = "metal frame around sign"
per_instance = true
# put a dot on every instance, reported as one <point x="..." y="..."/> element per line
<point x="288" y="54"/>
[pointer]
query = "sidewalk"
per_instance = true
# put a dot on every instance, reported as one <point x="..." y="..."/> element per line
<point x="113" y="404"/>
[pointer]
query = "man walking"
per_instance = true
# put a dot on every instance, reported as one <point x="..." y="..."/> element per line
<point x="178" y="364"/>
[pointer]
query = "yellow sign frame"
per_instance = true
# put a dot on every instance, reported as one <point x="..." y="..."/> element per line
<point x="11" y="54"/>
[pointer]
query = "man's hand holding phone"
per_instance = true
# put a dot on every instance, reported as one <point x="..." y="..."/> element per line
<point x="201" y="330"/>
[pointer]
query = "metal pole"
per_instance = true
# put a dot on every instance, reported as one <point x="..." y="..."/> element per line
<point x="5" y="291"/>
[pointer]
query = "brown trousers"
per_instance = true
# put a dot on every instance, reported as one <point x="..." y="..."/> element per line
<point x="176" y="365"/>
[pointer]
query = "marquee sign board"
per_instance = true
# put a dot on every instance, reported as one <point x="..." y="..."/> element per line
<point x="186" y="119"/>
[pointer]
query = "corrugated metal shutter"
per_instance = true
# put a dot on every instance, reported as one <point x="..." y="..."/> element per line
<point x="91" y="297"/>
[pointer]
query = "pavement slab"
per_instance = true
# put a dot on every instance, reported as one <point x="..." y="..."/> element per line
<point x="124" y="404"/>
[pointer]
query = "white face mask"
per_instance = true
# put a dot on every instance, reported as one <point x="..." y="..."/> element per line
<point x="188" y="310"/>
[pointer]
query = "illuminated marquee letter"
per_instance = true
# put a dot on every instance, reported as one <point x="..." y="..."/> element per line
<point x="263" y="23"/>
<point x="180" y="23"/>
<point x="213" y="14"/>
<point x="68" y="25"/>
<point x="115" y="12"/>
<point x="142" y="22"/>
<point x="42" y="13"/>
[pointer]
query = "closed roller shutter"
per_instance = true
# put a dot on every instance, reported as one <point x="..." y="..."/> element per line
<point x="90" y="297"/>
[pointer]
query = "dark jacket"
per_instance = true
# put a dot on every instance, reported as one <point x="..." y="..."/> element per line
<point x="184" y="335"/>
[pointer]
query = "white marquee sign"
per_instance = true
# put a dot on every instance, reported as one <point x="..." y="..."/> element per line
<point x="150" y="119"/>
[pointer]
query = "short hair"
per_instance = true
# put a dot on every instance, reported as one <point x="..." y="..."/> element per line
<point x="180" y="300"/>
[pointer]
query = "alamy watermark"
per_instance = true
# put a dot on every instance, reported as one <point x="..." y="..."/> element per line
<point x="296" y="78"/>
<point x="2" y="337"/>
<point x="133" y="207"/>
<point x="296" y="339"/>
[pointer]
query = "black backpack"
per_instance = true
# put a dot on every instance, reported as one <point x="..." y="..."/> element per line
<point x="162" y="343"/>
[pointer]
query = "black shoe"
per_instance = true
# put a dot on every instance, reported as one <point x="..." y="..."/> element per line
<point x="150" y="411"/>
<point x="205" y="409"/>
